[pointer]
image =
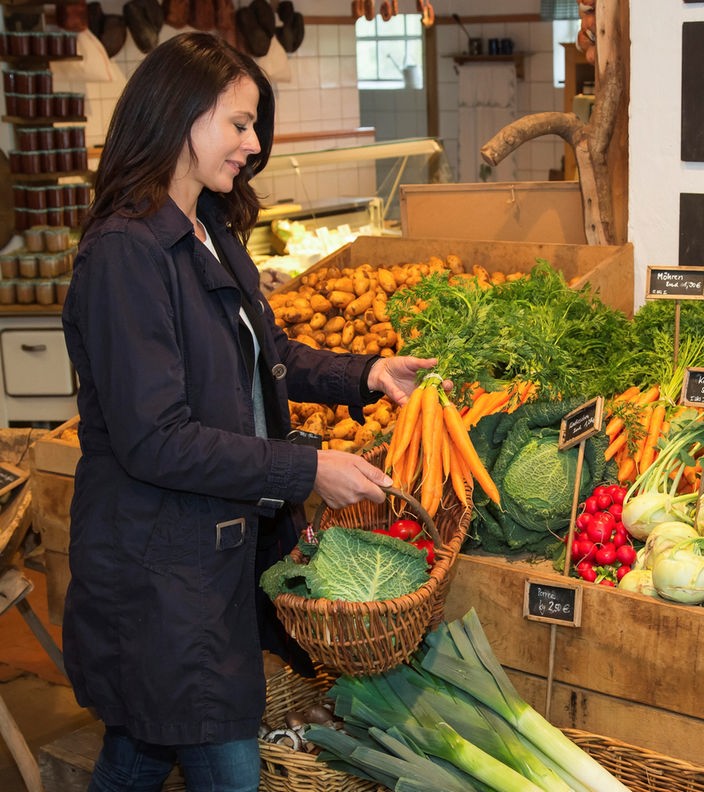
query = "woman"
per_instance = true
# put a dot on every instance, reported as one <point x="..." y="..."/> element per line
<point x="183" y="493"/>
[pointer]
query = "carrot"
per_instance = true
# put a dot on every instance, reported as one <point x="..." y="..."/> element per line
<point x="459" y="482"/>
<point x="407" y="417"/>
<point x="469" y="417"/>
<point x="432" y="473"/>
<point x="626" y="471"/>
<point x="655" y="427"/>
<point x="645" y="421"/>
<point x="431" y="442"/>
<point x="616" y="445"/>
<point x="445" y="455"/>
<point x="465" y="447"/>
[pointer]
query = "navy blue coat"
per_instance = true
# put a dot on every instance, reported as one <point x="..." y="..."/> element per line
<point x="173" y="486"/>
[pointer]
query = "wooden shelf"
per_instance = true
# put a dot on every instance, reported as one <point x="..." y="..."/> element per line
<point x="21" y="178"/>
<point x="37" y="60"/>
<point x="517" y="58"/>
<point x="44" y="120"/>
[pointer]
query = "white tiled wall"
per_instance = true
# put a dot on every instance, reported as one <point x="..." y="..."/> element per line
<point x="322" y="95"/>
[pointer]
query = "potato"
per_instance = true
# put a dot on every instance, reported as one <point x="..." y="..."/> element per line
<point x="361" y="283"/>
<point x="379" y="309"/>
<point x="359" y="305"/>
<point x="317" y="321"/>
<point x="344" y="430"/>
<point x="334" y="324"/>
<point x="366" y="433"/>
<point x="341" y="412"/>
<point x="342" y="445"/>
<point x="347" y="334"/>
<point x="320" y="304"/>
<point x="341" y="299"/>
<point x="308" y="340"/>
<point x="333" y="340"/>
<point x="294" y="314"/>
<point x="316" y="424"/>
<point x="387" y="280"/>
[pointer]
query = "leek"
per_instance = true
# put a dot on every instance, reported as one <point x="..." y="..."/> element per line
<point x="481" y="675"/>
<point x="451" y="720"/>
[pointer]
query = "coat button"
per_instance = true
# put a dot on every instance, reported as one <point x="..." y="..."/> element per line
<point x="261" y="307"/>
<point x="279" y="371"/>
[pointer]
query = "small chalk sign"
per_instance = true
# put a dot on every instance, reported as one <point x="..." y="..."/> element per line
<point x="581" y="423"/>
<point x="555" y="603"/>
<point x="11" y="477"/>
<point x="675" y="283"/>
<point x="693" y="387"/>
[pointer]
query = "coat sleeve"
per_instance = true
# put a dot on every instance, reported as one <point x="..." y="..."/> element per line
<point x="121" y="335"/>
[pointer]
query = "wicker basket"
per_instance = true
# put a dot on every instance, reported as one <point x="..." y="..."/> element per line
<point x="640" y="769"/>
<point x="286" y="770"/>
<point x="357" y="638"/>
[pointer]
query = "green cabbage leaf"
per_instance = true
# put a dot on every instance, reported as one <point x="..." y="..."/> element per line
<point x="353" y="565"/>
<point x="535" y="478"/>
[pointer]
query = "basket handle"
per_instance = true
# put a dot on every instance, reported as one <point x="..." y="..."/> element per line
<point x="419" y="510"/>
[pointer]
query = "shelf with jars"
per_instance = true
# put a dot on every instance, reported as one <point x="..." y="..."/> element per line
<point x="49" y="132"/>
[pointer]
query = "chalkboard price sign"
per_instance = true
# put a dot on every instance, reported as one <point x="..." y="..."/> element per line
<point x="555" y="603"/>
<point x="581" y="423"/>
<point x="675" y="283"/>
<point x="693" y="387"/>
<point x="11" y="477"/>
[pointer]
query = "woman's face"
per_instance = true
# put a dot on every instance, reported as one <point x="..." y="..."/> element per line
<point x="222" y="141"/>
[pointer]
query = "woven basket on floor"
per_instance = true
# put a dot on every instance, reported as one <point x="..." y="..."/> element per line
<point x="357" y="638"/>
<point x="286" y="770"/>
<point x="640" y="769"/>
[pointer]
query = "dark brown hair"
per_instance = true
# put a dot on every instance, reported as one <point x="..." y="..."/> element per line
<point x="174" y="85"/>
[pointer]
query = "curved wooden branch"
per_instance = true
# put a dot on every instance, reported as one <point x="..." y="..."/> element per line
<point x="566" y="125"/>
<point x="590" y="141"/>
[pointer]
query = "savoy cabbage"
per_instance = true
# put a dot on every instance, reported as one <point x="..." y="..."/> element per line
<point x="353" y="565"/>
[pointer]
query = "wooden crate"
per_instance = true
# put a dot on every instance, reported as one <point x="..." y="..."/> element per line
<point x="608" y="269"/>
<point x="629" y="671"/>
<point x="66" y="764"/>
<point x="16" y="514"/>
<point x="506" y="211"/>
<point x="53" y="462"/>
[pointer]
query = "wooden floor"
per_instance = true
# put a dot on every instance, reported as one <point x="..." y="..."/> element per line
<point x="35" y="692"/>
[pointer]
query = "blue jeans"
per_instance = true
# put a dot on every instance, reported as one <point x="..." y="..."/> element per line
<point x="128" y="764"/>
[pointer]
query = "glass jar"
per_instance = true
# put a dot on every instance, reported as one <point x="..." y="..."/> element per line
<point x="54" y="217"/>
<point x="27" y="265"/>
<point x="57" y="238"/>
<point x="44" y="292"/>
<point x="24" y="291"/>
<point x="51" y="264"/>
<point x="8" y="294"/>
<point x="8" y="266"/>
<point x="44" y="104"/>
<point x="34" y="238"/>
<point x="62" y="285"/>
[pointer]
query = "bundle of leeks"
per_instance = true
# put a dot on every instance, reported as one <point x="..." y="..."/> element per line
<point x="450" y="720"/>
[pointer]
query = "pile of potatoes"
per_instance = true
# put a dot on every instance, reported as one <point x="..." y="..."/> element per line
<point x="344" y="309"/>
<point x="338" y="429"/>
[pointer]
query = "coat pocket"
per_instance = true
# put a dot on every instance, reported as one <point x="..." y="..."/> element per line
<point x="175" y="535"/>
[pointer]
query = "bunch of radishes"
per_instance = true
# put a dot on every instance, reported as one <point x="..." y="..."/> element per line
<point x="602" y="550"/>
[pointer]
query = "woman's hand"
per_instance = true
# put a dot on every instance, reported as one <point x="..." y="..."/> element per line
<point x="343" y="478"/>
<point x="396" y="376"/>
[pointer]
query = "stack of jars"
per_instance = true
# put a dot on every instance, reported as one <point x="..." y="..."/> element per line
<point x="29" y="94"/>
<point x="50" y="204"/>
<point x="40" y="271"/>
<point x="51" y="43"/>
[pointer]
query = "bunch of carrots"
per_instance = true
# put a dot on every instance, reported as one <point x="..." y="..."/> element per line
<point x="430" y="443"/>
<point x="636" y="420"/>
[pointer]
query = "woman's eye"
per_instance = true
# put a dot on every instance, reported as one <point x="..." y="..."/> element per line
<point x="241" y="128"/>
